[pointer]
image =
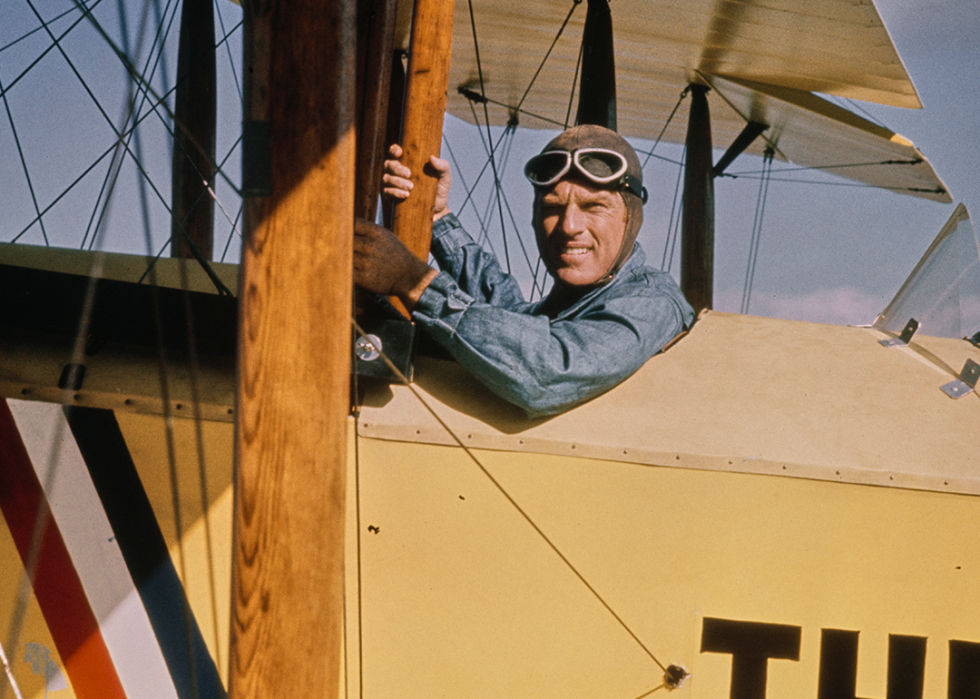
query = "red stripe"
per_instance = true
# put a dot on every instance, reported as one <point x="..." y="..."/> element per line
<point x="58" y="590"/>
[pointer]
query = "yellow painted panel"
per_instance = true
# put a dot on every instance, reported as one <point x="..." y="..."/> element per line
<point x="24" y="633"/>
<point x="461" y="596"/>
<point x="202" y="469"/>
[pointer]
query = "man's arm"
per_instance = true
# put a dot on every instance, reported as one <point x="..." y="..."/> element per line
<point x="547" y="366"/>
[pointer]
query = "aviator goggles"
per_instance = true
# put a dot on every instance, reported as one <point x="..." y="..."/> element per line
<point x="598" y="165"/>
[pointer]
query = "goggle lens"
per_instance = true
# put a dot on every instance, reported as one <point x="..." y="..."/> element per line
<point x="602" y="166"/>
<point x="548" y="168"/>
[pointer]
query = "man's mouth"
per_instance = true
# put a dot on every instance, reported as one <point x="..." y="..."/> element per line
<point x="575" y="251"/>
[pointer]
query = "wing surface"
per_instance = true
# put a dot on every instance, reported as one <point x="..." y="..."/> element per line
<point x="763" y="58"/>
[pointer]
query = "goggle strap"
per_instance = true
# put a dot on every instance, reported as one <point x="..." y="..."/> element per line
<point x="634" y="186"/>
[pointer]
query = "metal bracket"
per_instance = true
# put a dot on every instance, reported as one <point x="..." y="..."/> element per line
<point x="393" y="337"/>
<point x="966" y="383"/>
<point x="902" y="340"/>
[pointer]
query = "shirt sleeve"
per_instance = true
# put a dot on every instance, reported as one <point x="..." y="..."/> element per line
<point x="476" y="272"/>
<point x="547" y="366"/>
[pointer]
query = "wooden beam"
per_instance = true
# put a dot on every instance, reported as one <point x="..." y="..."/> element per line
<point x="425" y="104"/>
<point x="396" y="107"/>
<point x="192" y="222"/>
<point x="698" y="222"/>
<point x="376" y="43"/>
<point x="290" y="442"/>
<point x="597" y="88"/>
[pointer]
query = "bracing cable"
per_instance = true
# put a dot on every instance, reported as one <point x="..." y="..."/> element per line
<point x="486" y="114"/>
<point x="760" y="208"/>
<point x="674" y="223"/>
<point x="513" y="502"/>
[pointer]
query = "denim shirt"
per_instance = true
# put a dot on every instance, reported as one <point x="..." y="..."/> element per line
<point x="561" y="351"/>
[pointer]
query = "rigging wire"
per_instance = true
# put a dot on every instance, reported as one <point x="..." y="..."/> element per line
<point x="37" y="29"/>
<point x="132" y="71"/>
<point x="466" y="187"/>
<point x="660" y="136"/>
<point x="486" y="114"/>
<point x="510" y="498"/>
<point x="23" y="162"/>
<point x="554" y="42"/>
<point x="224" y="40"/>
<point x="571" y="96"/>
<point x="476" y="97"/>
<point x="674" y="224"/>
<point x="50" y="48"/>
<point x="108" y="184"/>
<point x="222" y="289"/>
<point x="78" y="179"/>
<point x="760" y="208"/>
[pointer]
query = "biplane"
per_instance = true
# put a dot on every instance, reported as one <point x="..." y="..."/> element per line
<point x="201" y="497"/>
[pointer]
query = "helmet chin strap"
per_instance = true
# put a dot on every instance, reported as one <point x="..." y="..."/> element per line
<point x="634" y="220"/>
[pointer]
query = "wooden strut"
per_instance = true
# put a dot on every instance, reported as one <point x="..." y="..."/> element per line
<point x="295" y="296"/>
<point x="194" y="134"/>
<point x="375" y="46"/>
<point x="698" y="222"/>
<point x="597" y="86"/>
<point x="425" y="104"/>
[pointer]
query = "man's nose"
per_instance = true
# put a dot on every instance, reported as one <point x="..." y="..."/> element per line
<point x="572" y="220"/>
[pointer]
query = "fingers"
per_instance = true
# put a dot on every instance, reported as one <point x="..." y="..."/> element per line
<point x="395" y="181"/>
<point x="396" y="186"/>
<point x="441" y="166"/>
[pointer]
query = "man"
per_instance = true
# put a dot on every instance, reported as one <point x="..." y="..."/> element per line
<point x="607" y="312"/>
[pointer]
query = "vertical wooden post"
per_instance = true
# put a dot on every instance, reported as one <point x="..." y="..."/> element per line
<point x="698" y="222"/>
<point x="290" y="442"/>
<point x="376" y="43"/>
<point x="194" y="133"/>
<point x="425" y="103"/>
<point x="597" y="86"/>
<point x="396" y="107"/>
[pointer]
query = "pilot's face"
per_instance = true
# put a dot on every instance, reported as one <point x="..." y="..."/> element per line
<point x="580" y="230"/>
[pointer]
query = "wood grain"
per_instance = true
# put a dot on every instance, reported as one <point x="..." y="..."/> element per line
<point x="287" y="581"/>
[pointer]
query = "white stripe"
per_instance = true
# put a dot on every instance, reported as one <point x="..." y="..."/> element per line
<point x="77" y="510"/>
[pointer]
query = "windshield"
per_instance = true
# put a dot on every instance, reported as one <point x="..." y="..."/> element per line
<point x="943" y="291"/>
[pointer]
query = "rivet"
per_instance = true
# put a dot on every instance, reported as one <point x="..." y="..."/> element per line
<point x="573" y="446"/>
<point x="128" y="401"/>
<point x="678" y="457"/>
<point x="945" y="482"/>
<point x="626" y="451"/>
<point x="25" y="391"/>
<point x="784" y="467"/>
<point x="891" y="478"/>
